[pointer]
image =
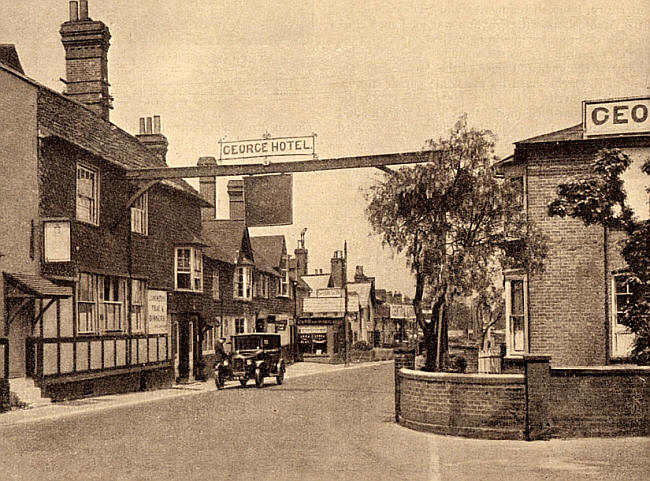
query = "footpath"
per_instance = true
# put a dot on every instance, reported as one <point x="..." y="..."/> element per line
<point x="88" y="405"/>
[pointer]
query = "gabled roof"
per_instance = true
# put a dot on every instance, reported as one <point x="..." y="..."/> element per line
<point x="571" y="133"/>
<point x="75" y="123"/>
<point x="228" y="240"/>
<point x="317" y="281"/>
<point x="272" y="247"/>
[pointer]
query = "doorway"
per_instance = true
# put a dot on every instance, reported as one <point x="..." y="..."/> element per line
<point x="20" y="331"/>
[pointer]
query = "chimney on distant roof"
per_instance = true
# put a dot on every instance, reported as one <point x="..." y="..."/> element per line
<point x="151" y="136"/>
<point x="338" y="269"/>
<point x="208" y="189"/>
<point x="302" y="255"/>
<point x="86" y="44"/>
<point x="358" y="275"/>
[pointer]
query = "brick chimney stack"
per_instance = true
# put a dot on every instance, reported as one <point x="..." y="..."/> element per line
<point x="150" y="135"/>
<point x="208" y="189"/>
<point x="338" y="269"/>
<point x="236" y="195"/>
<point x="86" y="44"/>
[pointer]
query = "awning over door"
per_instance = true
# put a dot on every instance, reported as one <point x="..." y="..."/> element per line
<point x="29" y="287"/>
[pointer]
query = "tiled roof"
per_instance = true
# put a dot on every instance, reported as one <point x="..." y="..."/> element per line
<point x="271" y="247"/>
<point x="9" y="57"/>
<point x="225" y="239"/>
<point x="571" y="133"/>
<point x="76" y="124"/>
<point x="38" y="286"/>
<point x="262" y="263"/>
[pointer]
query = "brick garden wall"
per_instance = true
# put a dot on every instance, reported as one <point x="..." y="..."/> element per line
<point x="605" y="401"/>
<point x="544" y="402"/>
<point x="474" y="405"/>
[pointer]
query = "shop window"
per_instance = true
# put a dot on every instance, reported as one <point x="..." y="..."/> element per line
<point x="86" y="304"/>
<point x="240" y="326"/>
<point x="113" y="295"/>
<point x="313" y="343"/>
<point x="188" y="269"/>
<point x="622" y="339"/>
<point x="138" y="305"/>
<point x="87" y="195"/>
<point x="140" y="215"/>
<point x="242" y="285"/>
<point x="516" y="316"/>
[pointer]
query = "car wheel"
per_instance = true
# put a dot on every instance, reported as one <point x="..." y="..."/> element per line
<point x="243" y="381"/>
<point x="219" y="380"/>
<point x="259" y="377"/>
<point x="280" y="377"/>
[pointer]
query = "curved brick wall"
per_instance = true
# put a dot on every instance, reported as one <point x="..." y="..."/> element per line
<point x="474" y="405"/>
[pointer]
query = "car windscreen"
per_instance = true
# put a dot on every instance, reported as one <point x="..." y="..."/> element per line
<point x="247" y="343"/>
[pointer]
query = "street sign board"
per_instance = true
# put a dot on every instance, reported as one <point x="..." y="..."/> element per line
<point x="616" y="116"/>
<point x="268" y="147"/>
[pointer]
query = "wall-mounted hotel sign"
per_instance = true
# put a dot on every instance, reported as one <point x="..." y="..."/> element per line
<point x="627" y="116"/>
<point x="267" y="147"/>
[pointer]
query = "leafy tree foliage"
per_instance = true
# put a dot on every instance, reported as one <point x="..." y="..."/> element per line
<point x="599" y="198"/>
<point x="447" y="216"/>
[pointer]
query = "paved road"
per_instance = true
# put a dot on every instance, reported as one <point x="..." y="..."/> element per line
<point x="334" y="426"/>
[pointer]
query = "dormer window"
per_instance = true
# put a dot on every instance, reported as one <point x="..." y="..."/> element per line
<point x="188" y="269"/>
<point x="140" y="215"/>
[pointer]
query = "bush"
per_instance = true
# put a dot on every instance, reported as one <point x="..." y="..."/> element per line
<point x="361" y="346"/>
<point x="457" y="363"/>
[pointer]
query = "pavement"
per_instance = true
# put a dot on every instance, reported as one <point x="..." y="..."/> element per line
<point x="77" y="407"/>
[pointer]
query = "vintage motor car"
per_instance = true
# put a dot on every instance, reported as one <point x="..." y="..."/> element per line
<point x="255" y="356"/>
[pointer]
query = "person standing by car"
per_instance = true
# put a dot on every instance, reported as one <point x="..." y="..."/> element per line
<point x="220" y="355"/>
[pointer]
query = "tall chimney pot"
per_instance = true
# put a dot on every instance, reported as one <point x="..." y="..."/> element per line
<point x="74" y="11"/>
<point x="156" y="124"/>
<point x="142" y="126"/>
<point x="83" y="9"/>
<point x="149" y="126"/>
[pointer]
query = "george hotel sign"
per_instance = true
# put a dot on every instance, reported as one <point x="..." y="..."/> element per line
<point x="268" y="147"/>
<point x="616" y="116"/>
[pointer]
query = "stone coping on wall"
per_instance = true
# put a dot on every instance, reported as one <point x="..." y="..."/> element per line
<point x="619" y="369"/>
<point x="462" y="378"/>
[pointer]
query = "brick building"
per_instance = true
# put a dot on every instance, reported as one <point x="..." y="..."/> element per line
<point x="101" y="276"/>
<point x="570" y="310"/>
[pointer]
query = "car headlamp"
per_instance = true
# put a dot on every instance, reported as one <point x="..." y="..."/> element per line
<point x="249" y="362"/>
<point x="226" y="363"/>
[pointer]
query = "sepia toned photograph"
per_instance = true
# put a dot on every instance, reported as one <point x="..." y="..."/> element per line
<point x="324" y="240"/>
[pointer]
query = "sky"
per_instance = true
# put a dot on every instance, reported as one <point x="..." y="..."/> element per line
<point x="367" y="77"/>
